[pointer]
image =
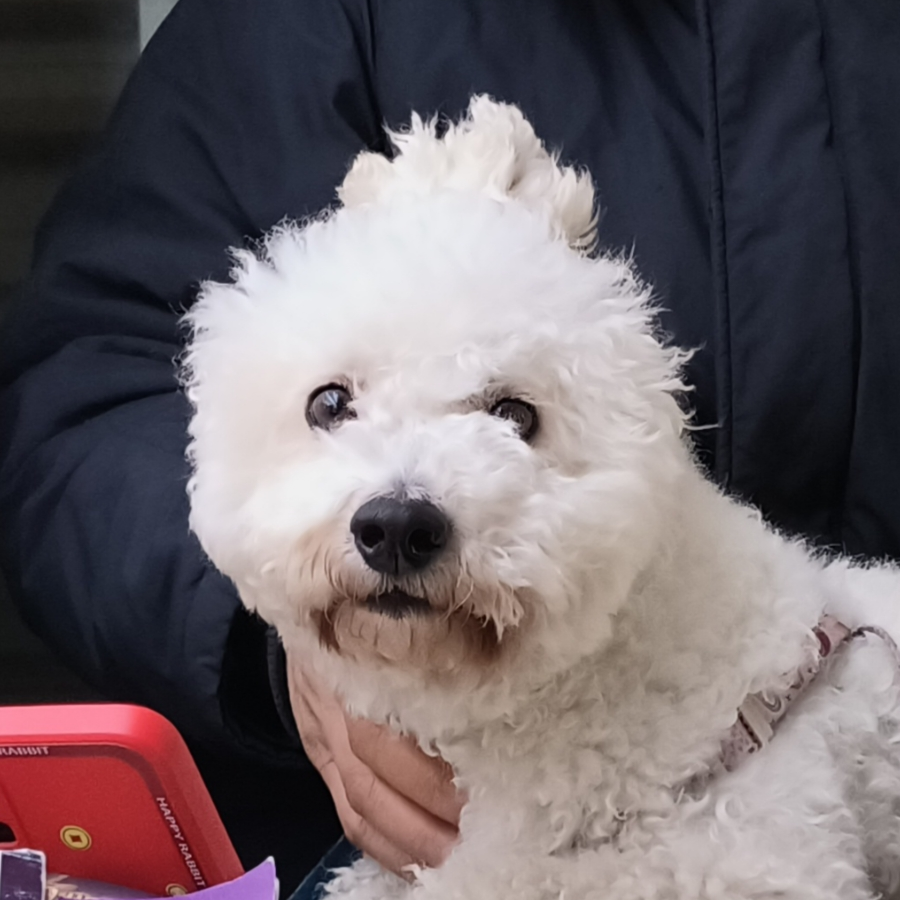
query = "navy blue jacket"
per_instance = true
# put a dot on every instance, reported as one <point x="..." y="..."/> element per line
<point x="747" y="150"/>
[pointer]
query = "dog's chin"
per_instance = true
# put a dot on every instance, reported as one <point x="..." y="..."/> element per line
<point x="399" y="629"/>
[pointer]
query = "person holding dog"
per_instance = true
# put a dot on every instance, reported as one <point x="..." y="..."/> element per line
<point x="745" y="153"/>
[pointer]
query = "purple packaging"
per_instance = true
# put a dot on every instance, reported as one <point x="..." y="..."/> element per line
<point x="23" y="875"/>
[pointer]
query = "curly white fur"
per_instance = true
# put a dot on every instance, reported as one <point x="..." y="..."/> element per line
<point x="602" y="610"/>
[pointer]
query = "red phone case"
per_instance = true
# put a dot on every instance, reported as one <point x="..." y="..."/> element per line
<point x="110" y="792"/>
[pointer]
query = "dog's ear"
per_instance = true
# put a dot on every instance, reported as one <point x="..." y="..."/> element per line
<point x="493" y="150"/>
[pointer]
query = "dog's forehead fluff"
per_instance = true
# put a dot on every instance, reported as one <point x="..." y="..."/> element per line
<point x="455" y="267"/>
<point x="444" y="294"/>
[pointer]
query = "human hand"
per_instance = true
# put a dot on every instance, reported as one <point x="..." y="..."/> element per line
<point x="396" y="803"/>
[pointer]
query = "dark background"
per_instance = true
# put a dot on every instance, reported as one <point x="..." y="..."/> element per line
<point x="63" y="63"/>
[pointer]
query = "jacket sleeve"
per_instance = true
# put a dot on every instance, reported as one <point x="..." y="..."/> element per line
<point x="241" y="112"/>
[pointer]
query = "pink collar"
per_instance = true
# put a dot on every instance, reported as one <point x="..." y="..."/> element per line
<point x="759" y="715"/>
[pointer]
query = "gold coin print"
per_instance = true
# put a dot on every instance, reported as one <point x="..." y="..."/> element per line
<point x="75" y="838"/>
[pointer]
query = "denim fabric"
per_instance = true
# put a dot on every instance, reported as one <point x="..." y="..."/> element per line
<point x="343" y="853"/>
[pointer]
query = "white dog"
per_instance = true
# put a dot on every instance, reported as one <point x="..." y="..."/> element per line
<point x="436" y="442"/>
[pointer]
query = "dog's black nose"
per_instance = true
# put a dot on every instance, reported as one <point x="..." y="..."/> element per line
<point x="398" y="536"/>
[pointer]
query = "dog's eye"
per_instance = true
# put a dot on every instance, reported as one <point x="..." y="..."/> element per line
<point x="523" y="415"/>
<point x="328" y="406"/>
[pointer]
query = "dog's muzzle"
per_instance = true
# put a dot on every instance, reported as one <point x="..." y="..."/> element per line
<point x="398" y="537"/>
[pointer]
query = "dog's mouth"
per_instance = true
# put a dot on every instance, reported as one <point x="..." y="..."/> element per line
<point x="426" y="633"/>
<point x="397" y="604"/>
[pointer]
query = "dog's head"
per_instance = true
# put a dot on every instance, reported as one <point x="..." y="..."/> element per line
<point x="431" y="431"/>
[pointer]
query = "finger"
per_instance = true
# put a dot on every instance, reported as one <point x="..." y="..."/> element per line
<point x="418" y="834"/>
<point x="361" y="834"/>
<point x="318" y="703"/>
<point x="368" y="803"/>
<point x="316" y="729"/>
<point x="399" y="762"/>
<point x="311" y="722"/>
